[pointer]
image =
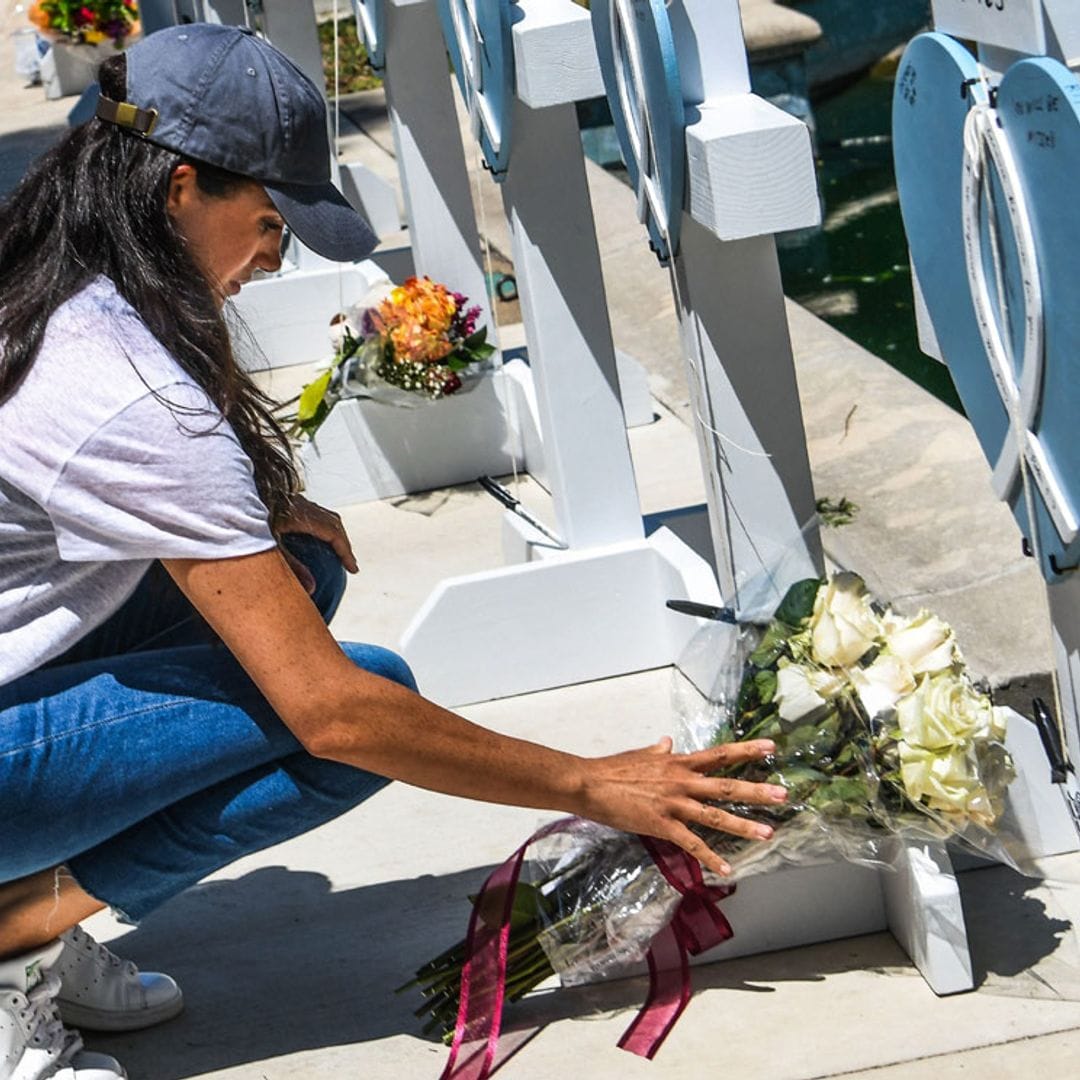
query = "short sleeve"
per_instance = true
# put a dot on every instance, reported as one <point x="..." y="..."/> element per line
<point x="165" y="478"/>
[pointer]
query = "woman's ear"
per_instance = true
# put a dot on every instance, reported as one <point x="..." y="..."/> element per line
<point x="183" y="190"/>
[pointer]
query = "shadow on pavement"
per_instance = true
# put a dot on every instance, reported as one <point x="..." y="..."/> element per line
<point x="1022" y="945"/>
<point x="276" y="963"/>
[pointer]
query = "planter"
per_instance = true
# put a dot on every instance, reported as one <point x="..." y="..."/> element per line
<point x="68" y="69"/>
<point x="368" y="450"/>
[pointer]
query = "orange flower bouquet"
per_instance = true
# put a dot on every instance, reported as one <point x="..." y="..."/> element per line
<point x="418" y="339"/>
<point x="86" y="22"/>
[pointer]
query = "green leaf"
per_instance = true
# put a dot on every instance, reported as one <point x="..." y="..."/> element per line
<point x="312" y="396"/>
<point x="798" y="603"/>
<point x="766" y="683"/>
<point x="771" y="647"/>
<point x="476" y="339"/>
<point x="310" y="426"/>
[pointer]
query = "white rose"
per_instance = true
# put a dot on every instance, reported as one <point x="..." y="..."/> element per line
<point x="337" y="331"/>
<point x="843" y="626"/>
<point x="375" y="295"/>
<point x="883" y="683"/>
<point x="944" y="780"/>
<point x="925" y="643"/>
<point x="801" y="690"/>
<point x="944" y="710"/>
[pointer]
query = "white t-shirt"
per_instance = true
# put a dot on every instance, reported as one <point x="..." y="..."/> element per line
<point x="110" y="457"/>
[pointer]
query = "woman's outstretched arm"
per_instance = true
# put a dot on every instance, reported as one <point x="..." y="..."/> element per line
<point x="341" y="712"/>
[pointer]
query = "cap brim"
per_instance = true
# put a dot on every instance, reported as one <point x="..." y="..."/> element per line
<point x="324" y="220"/>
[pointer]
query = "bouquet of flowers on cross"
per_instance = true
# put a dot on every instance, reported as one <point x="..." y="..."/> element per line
<point x="401" y="344"/>
<point x="86" y="22"/>
<point x="879" y="731"/>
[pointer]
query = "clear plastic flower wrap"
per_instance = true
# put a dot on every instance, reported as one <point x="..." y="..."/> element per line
<point x="879" y="731"/>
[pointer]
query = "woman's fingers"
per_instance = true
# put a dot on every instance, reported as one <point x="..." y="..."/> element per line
<point x="696" y="847"/>
<point x="720" y="789"/>
<point x="326" y="525"/>
<point x="733" y="753"/>
<point x="721" y="820"/>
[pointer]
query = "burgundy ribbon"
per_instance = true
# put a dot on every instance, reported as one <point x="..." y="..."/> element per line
<point x="696" y="927"/>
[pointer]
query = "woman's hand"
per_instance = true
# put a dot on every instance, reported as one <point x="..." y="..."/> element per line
<point x="307" y="517"/>
<point x="661" y="794"/>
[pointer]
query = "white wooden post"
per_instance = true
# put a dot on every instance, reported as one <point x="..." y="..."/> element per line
<point x="597" y="608"/>
<point x="431" y="160"/>
<point x="750" y="174"/>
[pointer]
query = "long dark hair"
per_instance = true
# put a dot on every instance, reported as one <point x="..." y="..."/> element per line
<point x="95" y="204"/>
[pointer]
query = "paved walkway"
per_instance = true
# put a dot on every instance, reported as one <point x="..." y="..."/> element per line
<point x="288" y="958"/>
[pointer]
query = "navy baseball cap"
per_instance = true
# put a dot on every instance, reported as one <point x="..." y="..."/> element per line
<point x="221" y="95"/>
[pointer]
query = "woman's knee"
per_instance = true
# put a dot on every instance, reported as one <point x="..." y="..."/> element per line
<point x="380" y="661"/>
<point x="325" y="566"/>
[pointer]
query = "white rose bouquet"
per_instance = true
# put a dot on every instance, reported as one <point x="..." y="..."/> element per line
<point x="879" y="733"/>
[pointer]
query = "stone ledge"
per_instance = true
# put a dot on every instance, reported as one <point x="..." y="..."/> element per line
<point x="772" y="30"/>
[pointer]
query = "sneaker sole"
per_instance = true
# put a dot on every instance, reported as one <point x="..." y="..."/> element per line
<point x="90" y="1019"/>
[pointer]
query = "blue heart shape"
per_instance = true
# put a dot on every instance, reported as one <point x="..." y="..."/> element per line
<point x="478" y="39"/>
<point x="371" y="26"/>
<point x="1039" y="109"/>
<point x="938" y="83"/>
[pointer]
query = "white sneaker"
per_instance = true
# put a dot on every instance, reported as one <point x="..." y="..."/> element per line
<point x="101" y="992"/>
<point x="34" y="1044"/>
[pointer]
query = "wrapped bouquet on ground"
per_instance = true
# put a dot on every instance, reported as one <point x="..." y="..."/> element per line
<point x="402" y="344"/>
<point x="880" y="734"/>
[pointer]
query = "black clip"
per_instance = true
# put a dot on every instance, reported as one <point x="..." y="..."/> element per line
<point x="704" y="611"/>
<point x="965" y="85"/>
<point x="1051" y="740"/>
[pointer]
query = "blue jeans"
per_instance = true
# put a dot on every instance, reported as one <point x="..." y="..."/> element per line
<point x="145" y="758"/>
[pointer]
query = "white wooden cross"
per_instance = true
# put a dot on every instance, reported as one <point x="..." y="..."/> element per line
<point x="750" y="173"/>
<point x="597" y="608"/>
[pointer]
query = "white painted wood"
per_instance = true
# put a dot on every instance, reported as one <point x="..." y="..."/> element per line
<point x="922" y="903"/>
<point x="1011" y="24"/>
<point x="292" y="29"/>
<point x="712" y="56"/>
<point x="430" y="156"/>
<point x="368" y="450"/>
<point x="928" y="341"/>
<point x="637" y="401"/>
<point x="750" y="169"/>
<point x="1063" y="31"/>
<point x="1064" y="597"/>
<point x="68" y="69"/>
<point x="372" y="196"/>
<point x="747" y="415"/>
<point x="1035" y="810"/>
<point x="555" y="54"/>
<point x="800" y="905"/>
<point x="564" y="618"/>
<point x="557" y="264"/>
<point x="289" y="315"/>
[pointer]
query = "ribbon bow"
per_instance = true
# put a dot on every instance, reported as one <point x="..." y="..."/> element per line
<point x="696" y="927"/>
